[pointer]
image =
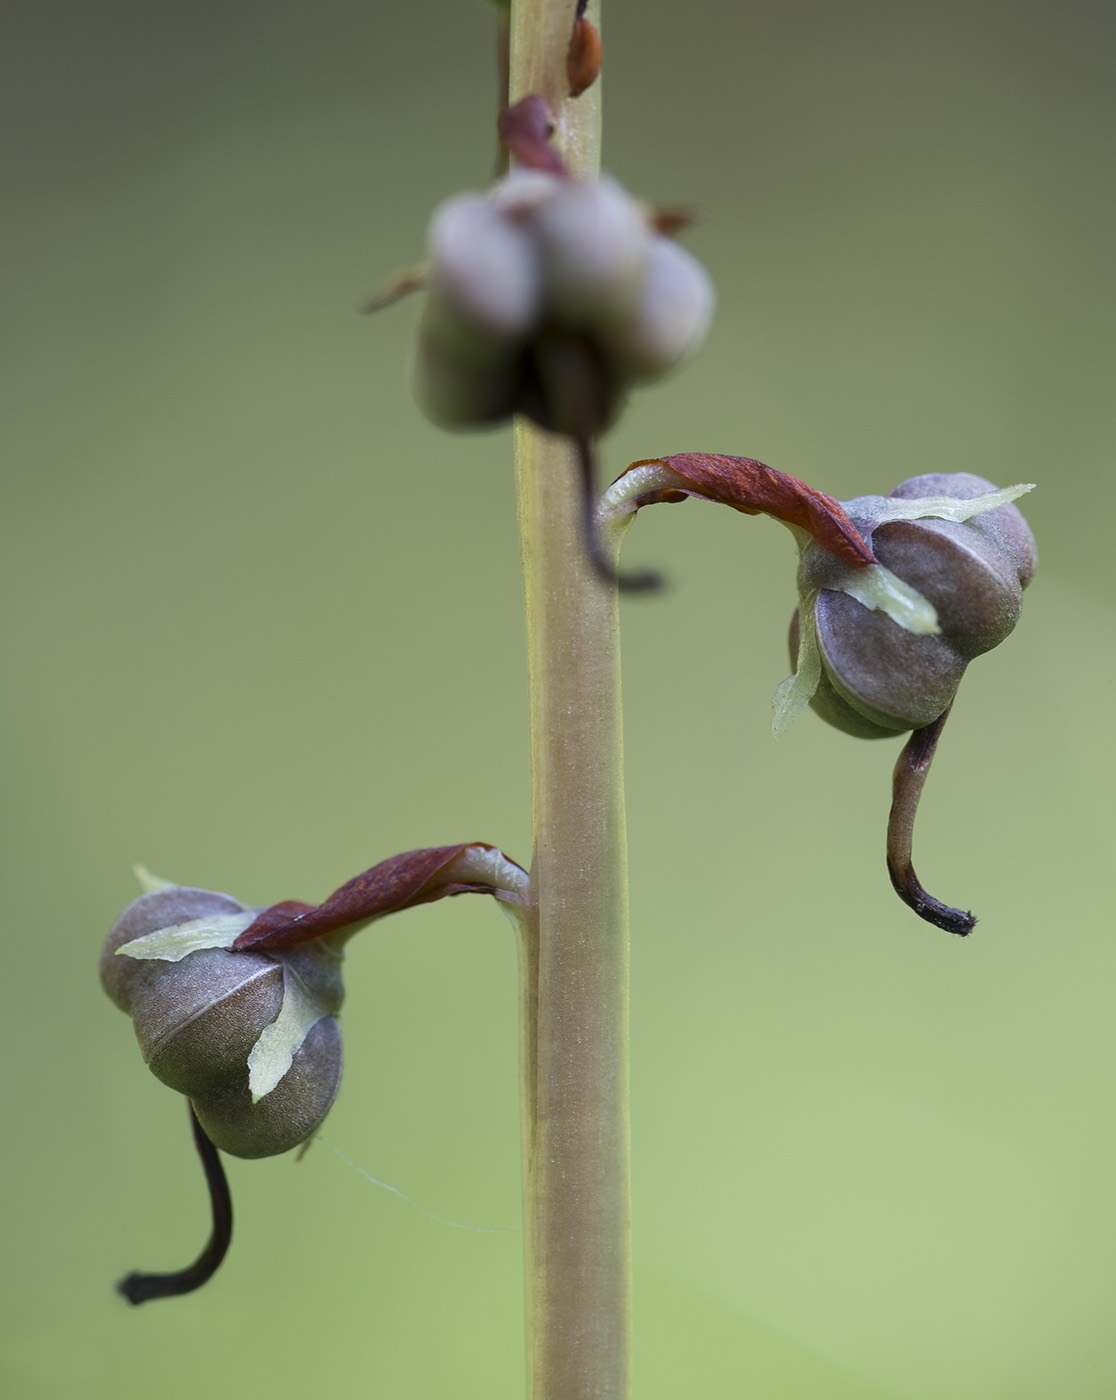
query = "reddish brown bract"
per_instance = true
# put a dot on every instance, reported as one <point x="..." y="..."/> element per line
<point x="526" y="129"/>
<point x="756" y="489"/>
<point x="583" y="58"/>
<point x="401" y="882"/>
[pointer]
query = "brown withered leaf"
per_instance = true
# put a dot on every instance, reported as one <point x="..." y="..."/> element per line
<point x="756" y="489"/>
<point x="525" y="129"/>
<point x="400" y="882"/>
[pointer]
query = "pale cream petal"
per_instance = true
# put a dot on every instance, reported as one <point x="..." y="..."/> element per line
<point x="271" y="1056"/>
<point x="178" y="941"/>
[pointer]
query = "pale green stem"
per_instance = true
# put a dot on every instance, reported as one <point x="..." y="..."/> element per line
<point x="576" y="971"/>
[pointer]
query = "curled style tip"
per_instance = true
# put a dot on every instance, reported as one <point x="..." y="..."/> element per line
<point x="142" y="1288"/>
<point x="640" y="581"/>
<point x="907" y="782"/>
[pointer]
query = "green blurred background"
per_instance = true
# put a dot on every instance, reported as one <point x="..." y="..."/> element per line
<point x="263" y="628"/>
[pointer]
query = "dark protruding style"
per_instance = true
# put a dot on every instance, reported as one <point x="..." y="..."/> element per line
<point x="142" y="1288"/>
<point x="906" y="788"/>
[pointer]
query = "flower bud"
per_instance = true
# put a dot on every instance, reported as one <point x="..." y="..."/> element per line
<point x="485" y="269"/>
<point x="896" y="595"/>
<point x="594" y="244"/>
<point x="877" y="678"/>
<point x="672" y="315"/>
<point x="201" y="1020"/>
<point x="471" y="385"/>
<point x="551" y="297"/>
<point x="235" y="1008"/>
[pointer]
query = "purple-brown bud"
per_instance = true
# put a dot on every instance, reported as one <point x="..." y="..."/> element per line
<point x="236" y="1008"/>
<point x="198" y="1021"/>
<point x="879" y="679"/>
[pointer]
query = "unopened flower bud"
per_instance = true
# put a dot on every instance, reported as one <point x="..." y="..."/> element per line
<point x="896" y="595"/>
<point x="877" y="678"/>
<point x="219" y="1026"/>
<point x="672" y="315"/>
<point x="968" y="565"/>
<point x="551" y="297"/>
<point x="471" y="385"/>
<point x="594" y="245"/>
<point x="485" y="270"/>
<point x="236" y="1008"/>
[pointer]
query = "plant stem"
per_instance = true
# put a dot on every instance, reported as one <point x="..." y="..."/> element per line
<point x="575" y="979"/>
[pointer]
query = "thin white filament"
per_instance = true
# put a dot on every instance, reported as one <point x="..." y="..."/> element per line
<point x="395" y="1191"/>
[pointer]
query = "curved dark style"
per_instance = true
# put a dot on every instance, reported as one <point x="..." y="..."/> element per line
<point x="567" y="388"/>
<point x="906" y="788"/>
<point x="142" y="1288"/>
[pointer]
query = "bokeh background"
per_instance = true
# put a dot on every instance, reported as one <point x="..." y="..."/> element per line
<point x="262" y="627"/>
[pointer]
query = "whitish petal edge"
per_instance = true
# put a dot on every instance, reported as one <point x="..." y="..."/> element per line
<point x="797" y="691"/>
<point x="878" y="588"/>
<point x="178" y="941"/>
<point x="946" y="507"/>
<point x="271" y="1056"/>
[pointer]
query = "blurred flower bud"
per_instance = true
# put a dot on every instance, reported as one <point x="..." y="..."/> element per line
<point x="594" y="245"/>
<point x="551" y="297"/>
<point x="671" y="316"/>
<point x="487" y="279"/>
<point x="878" y="678"/>
<point x="251" y="1039"/>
